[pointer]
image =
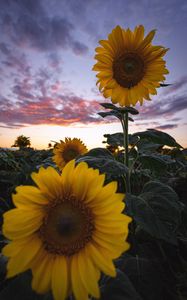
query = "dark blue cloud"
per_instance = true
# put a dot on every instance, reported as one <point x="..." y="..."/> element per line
<point x="167" y="107"/>
<point x="166" y="126"/>
<point x="27" y="24"/>
<point x="176" y="86"/>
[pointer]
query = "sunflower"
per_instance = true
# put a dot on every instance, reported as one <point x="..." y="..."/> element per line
<point x="66" y="230"/>
<point x="130" y="67"/>
<point x="68" y="150"/>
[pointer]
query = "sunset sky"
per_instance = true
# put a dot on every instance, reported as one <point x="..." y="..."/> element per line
<point x="47" y="86"/>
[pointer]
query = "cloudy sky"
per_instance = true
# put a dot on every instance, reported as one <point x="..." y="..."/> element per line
<point x="47" y="87"/>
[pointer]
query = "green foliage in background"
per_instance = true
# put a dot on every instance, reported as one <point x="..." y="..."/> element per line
<point x="155" y="267"/>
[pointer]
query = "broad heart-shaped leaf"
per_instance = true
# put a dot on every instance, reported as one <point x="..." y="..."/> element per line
<point x="138" y="270"/>
<point x="117" y="139"/>
<point x="156" y="210"/>
<point x="103" y="160"/>
<point x="158" y="137"/>
<point x="118" y="288"/>
<point x="153" y="162"/>
<point x="145" y="146"/>
<point x="19" y="288"/>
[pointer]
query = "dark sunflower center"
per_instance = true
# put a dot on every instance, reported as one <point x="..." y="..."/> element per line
<point x="128" y="69"/>
<point x="67" y="227"/>
<point x="69" y="154"/>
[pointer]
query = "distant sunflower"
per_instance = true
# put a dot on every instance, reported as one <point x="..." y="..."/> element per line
<point x="67" y="230"/>
<point x="130" y="67"/>
<point x="68" y="150"/>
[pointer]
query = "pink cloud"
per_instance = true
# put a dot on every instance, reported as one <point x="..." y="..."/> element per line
<point x="45" y="110"/>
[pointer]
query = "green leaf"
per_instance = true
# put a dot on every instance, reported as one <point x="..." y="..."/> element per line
<point x="147" y="146"/>
<point x="158" y="137"/>
<point x="3" y="262"/>
<point x="100" y="152"/>
<point x="103" y="160"/>
<point x="108" y="105"/>
<point x="153" y="162"/>
<point x="115" y="139"/>
<point x="165" y="84"/>
<point x="133" y="140"/>
<point x="112" y="113"/>
<point x="118" y="288"/>
<point x="19" y="288"/>
<point x="130" y="119"/>
<point x="138" y="270"/>
<point x="156" y="210"/>
<point x="128" y="109"/>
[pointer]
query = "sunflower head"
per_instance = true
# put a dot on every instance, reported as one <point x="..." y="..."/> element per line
<point x="129" y="67"/>
<point x="68" y="150"/>
<point x="65" y="228"/>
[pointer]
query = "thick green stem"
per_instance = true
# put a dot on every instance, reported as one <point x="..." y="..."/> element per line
<point x="126" y="148"/>
<point x="126" y="140"/>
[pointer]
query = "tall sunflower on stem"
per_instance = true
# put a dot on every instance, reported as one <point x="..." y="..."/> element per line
<point x="129" y="70"/>
<point x="129" y="67"/>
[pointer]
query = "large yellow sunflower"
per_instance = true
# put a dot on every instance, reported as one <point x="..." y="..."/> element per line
<point x="130" y="67"/>
<point x="68" y="150"/>
<point x="67" y="230"/>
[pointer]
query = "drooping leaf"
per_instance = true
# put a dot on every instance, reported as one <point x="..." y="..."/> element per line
<point x="19" y="288"/>
<point x="129" y="109"/>
<point x="108" y="105"/>
<point x="153" y="162"/>
<point x="115" y="139"/>
<point x="103" y="160"/>
<point x="3" y="262"/>
<point x="112" y="113"/>
<point x="138" y="270"/>
<point x="126" y="109"/>
<point x="118" y="288"/>
<point x="165" y="84"/>
<point x="156" y="210"/>
<point x="158" y="137"/>
<point x="146" y="146"/>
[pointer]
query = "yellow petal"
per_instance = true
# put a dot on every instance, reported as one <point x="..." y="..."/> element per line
<point x="107" y="46"/>
<point x="90" y="282"/>
<point x="60" y="278"/>
<point x="107" y="93"/>
<point x="20" y="223"/>
<point x="28" y="197"/>
<point x="78" y="289"/>
<point x="22" y="261"/>
<point x="48" y="180"/>
<point x="101" y="260"/>
<point x="14" y="247"/>
<point x="42" y="270"/>
<point x="67" y="174"/>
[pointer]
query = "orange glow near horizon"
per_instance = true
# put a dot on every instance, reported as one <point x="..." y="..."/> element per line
<point x="92" y="136"/>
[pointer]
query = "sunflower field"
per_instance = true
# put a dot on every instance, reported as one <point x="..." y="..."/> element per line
<point x="108" y="223"/>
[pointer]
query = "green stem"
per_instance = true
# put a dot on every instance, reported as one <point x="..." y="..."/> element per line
<point x="126" y="148"/>
<point x="126" y="140"/>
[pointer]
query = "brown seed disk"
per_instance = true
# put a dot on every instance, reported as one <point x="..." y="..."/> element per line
<point x="67" y="227"/>
<point x="128" y="69"/>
